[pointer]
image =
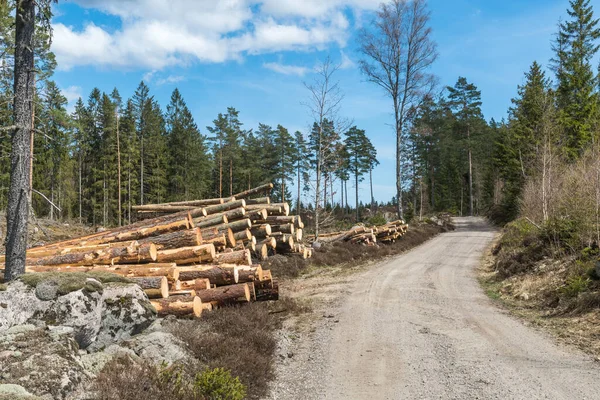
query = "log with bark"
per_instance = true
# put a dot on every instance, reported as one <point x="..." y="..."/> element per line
<point x="271" y="209"/>
<point x="211" y="220"/>
<point x="243" y="236"/>
<point x="240" y="257"/>
<point x="261" y="231"/>
<point x="168" y="270"/>
<point x="235" y="214"/>
<point x="250" y="274"/>
<point x="219" y="275"/>
<point x="188" y="255"/>
<point x="195" y="284"/>
<point x="179" y="306"/>
<point x="266" y="188"/>
<point x="259" y="200"/>
<point x="220" y="208"/>
<point x="154" y="286"/>
<point x="210" y="233"/>
<point x="173" y="240"/>
<point x="226" y="294"/>
<point x="114" y="255"/>
<point x="257" y="214"/>
<point x="287" y="228"/>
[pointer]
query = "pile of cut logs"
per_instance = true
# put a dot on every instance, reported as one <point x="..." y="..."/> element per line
<point x="195" y="256"/>
<point x="387" y="233"/>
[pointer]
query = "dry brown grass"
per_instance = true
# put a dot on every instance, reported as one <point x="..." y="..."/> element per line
<point x="124" y="379"/>
<point x="340" y="253"/>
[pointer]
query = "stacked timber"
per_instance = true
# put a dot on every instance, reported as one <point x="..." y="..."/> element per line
<point x="361" y="234"/>
<point x="191" y="256"/>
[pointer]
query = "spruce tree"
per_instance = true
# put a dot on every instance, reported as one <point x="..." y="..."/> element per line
<point x="576" y="94"/>
<point x="188" y="164"/>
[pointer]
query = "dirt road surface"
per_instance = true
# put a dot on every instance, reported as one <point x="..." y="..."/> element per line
<point x="420" y="327"/>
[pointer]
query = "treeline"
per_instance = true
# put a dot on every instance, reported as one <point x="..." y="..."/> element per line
<point x="111" y="154"/>
<point x="521" y="165"/>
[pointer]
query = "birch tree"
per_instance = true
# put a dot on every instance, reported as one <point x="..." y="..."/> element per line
<point x="398" y="51"/>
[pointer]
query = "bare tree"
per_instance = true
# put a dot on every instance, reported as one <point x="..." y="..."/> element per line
<point x="397" y="51"/>
<point x="324" y="104"/>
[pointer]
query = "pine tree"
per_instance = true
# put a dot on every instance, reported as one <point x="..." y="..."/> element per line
<point x="576" y="94"/>
<point x="131" y="158"/>
<point x="117" y="100"/>
<point x="156" y="154"/>
<point x="284" y="142"/>
<point x="141" y="101"/>
<point x="465" y="100"/>
<point x="52" y="164"/>
<point x="359" y="161"/>
<point x="301" y="165"/>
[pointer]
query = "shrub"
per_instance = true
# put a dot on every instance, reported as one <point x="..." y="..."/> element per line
<point x="218" y="384"/>
<point x="238" y="339"/>
<point x="575" y="285"/>
<point x="377" y="220"/>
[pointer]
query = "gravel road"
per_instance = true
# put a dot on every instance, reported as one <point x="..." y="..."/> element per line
<point x="420" y="327"/>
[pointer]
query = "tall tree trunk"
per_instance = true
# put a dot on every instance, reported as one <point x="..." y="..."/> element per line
<point x="142" y="171"/>
<point x="397" y="114"/>
<point x="118" y="172"/>
<point x="421" y="203"/>
<point x="346" y="185"/>
<point x="470" y="173"/>
<point x="220" y="169"/>
<point x="230" y="177"/>
<point x="104" y="198"/>
<point x="129" y="189"/>
<point x="371" y="184"/>
<point x="356" y="186"/>
<point x="20" y="162"/>
<point x="298" y="200"/>
<point x="325" y="191"/>
<point x="331" y="189"/>
<point x="342" y="194"/>
<point x="282" y="173"/>
<point x="80" y="184"/>
<point x="318" y="191"/>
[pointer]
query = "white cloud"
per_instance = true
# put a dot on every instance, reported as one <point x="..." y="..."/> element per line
<point x="155" y="34"/>
<point x="170" y="79"/>
<point x="286" y="69"/>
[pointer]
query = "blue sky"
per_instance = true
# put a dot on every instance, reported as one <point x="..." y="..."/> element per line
<point x="255" y="55"/>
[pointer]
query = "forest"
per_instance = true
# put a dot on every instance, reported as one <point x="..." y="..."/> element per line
<point x="112" y="153"/>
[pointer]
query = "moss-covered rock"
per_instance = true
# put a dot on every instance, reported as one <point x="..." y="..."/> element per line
<point x="101" y="308"/>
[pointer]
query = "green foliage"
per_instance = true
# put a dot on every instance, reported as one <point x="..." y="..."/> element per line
<point x="377" y="220"/>
<point x="575" y="285"/>
<point x="577" y="97"/>
<point x="218" y="384"/>
<point x="516" y="232"/>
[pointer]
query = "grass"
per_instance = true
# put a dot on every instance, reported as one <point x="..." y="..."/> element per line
<point x="70" y="281"/>
<point x="344" y="253"/>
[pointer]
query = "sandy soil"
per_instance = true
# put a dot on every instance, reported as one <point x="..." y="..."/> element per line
<point x="419" y="326"/>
